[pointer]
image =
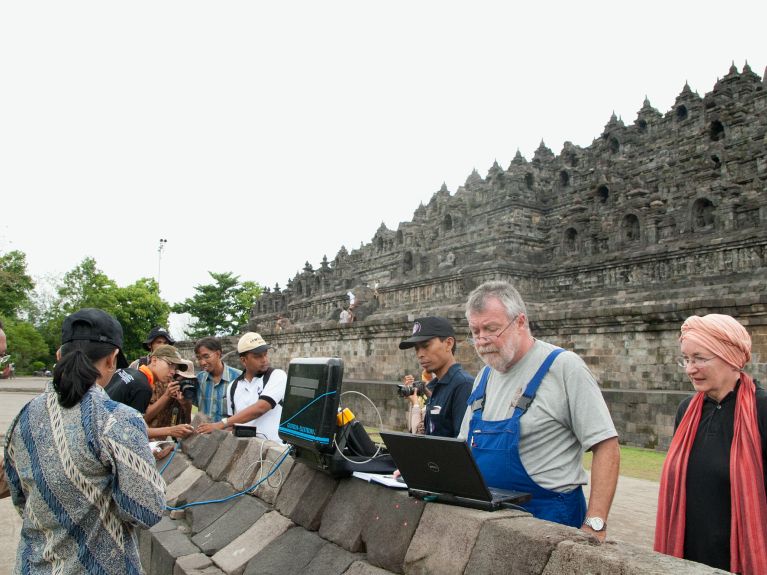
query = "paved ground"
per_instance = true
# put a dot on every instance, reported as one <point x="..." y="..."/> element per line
<point x="632" y="517"/>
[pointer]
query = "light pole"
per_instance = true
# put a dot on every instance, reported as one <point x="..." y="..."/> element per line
<point x="161" y="247"/>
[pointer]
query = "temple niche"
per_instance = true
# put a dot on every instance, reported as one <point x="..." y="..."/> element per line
<point x="667" y="201"/>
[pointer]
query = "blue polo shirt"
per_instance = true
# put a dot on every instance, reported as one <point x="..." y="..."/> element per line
<point x="447" y="404"/>
<point x="211" y="396"/>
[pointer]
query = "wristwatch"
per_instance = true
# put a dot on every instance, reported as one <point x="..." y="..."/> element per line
<point x="596" y="523"/>
<point x="225" y="421"/>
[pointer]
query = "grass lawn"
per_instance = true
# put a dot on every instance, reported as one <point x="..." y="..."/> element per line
<point x="637" y="462"/>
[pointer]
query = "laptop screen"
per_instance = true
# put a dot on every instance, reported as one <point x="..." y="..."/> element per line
<point x="436" y="464"/>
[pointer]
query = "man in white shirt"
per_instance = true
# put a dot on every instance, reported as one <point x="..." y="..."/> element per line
<point x="255" y="396"/>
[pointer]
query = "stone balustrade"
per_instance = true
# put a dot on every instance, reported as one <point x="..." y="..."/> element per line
<point x="303" y="521"/>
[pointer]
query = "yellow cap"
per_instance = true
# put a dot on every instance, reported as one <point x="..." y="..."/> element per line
<point x="344" y="417"/>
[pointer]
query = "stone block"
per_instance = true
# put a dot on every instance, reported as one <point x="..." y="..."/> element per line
<point x="525" y="542"/>
<point x="270" y="488"/>
<point x="571" y="557"/>
<point x="145" y="548"/>
<point x="182" y="484"/>
<point x="244" y="513"/>
<point x="289" y="553"/>
<point x="392" y="520"/>
<point x="229" y="451"/>
<point x="167" y="546"/>
<point x="363" y="568"/>
<point x="200" y="516"/>
<point x="244" y="471"/>
<point x="198" y="419"/>
<point x="205" y="447"/>
<point x="346" y="513"/>
<point x="331" y="559"/>
<point x="177" y="465"/>
<point x="194" y="492"/>
<point x="304" y="496"/>
<point x="197" y="564"/>
<point x="164" y="524"/>
<point x="188" y="444"/>
<point x="459" y="525"/>
<point x="233" y="558"/>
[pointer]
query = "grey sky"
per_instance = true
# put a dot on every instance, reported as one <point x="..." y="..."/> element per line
<point x="256" y="136"/>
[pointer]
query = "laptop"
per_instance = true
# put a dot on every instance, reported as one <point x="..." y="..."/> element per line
<point x="442" y="469"/>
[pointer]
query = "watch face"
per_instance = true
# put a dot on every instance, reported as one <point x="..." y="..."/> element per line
<point x="596" y="523"/>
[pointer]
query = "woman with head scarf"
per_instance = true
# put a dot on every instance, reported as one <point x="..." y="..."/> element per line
<point x="712" y="506"/>
<point x="78" y="464"/>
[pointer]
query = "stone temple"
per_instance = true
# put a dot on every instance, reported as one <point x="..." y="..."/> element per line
<point x="612" y="246"/>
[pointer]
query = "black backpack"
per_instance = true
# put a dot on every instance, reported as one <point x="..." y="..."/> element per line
<point x="233" y="387"/>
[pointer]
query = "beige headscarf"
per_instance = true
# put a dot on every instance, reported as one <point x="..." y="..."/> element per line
<point x="720" y="334"/>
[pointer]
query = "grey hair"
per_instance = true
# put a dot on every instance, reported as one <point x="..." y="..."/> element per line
<point x="503" y="292"/>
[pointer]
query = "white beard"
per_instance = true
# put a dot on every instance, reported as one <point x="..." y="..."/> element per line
<point x="499" y="358"/>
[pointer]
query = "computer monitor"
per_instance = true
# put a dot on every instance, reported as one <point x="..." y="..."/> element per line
<point x="310" y="405"/>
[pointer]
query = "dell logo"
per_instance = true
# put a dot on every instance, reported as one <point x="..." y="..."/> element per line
<point x="433" y="467"/>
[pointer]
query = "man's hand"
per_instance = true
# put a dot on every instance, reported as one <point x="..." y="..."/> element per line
<point x="173" y="390"/>
<point x="163" y="453"/>
<point x="181" y="431"/>
<point x="413" y="397"/>
<point x="600" y="535"/>
<point x="208" y="427"/>
<point x="605" y="466"/>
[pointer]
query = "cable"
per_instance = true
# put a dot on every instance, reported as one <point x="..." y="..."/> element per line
<point x="380" y="425"/>
<point x="249" y="489"/>
<point x="172" y="454"/>
<point x="305" y="407"/>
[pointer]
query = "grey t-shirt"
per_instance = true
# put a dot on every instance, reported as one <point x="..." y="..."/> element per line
<point x="567" y="417"/>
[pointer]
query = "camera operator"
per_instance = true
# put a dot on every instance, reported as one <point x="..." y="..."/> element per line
<point x="415" y="392"/>
<point x="169" y="411"/>
<point x="434" y="341"/>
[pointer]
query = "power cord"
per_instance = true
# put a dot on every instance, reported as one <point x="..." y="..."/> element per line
<point x="248" y="490"/>
<point x="380" y="425"/>
<point x="172" y="454"/>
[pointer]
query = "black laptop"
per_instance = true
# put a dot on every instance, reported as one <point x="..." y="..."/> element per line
<point x="442" y="469"/>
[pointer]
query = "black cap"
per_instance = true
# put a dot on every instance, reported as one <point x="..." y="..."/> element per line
<point x="156" y="332"/>
<point x="426" y="328"/>
<point x="91" y="324"/>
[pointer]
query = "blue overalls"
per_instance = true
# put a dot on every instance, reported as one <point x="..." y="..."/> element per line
<point x="495" y="446"/>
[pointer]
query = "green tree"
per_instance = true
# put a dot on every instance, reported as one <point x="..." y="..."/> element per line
<point x="86" y="286"/>
<point x="138" y="307"/>
<point x="26" y="345"/>
<point x="219" y="308"/>
<point x="15" y="284"/>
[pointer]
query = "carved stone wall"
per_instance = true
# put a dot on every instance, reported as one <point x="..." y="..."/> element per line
<point x="611" y="245"/>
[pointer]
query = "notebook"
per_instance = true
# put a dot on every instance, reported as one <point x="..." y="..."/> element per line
<point x="442" y="469"/>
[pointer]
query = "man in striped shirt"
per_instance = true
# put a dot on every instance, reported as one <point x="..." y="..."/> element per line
<point x="214" y="379"/>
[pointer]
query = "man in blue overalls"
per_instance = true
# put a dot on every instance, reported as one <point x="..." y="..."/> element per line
<point x="534" y="410"/>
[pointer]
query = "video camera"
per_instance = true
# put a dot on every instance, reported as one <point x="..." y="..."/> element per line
<point x="187" y="387"/>
<point x="408" y="390"/>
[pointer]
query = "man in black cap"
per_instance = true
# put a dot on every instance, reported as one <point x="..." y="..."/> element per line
<point x="157" y="336"/>
<point x="434" y="342"/>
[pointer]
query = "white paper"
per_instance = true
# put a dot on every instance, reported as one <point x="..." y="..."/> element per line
<point x="387" y="480"/>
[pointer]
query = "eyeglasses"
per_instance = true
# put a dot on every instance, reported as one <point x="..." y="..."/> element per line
<point x="204" y="357"/>
<point x="696" y="361"/>
<point x="170" y="363"/>
<point x="492" y="336"/>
